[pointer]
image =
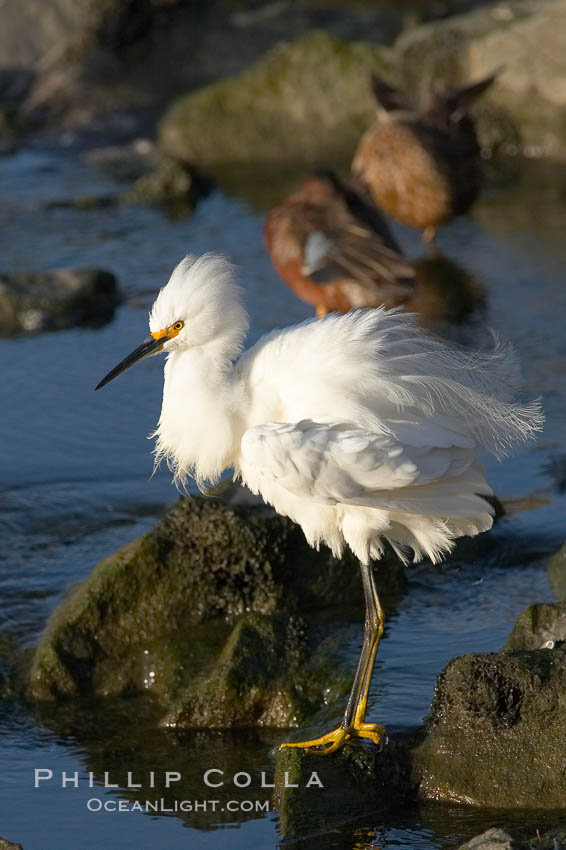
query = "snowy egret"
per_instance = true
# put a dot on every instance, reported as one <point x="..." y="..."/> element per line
<point x="363" y="428"/>
<point x="422" y="166"/>
<point x="335" y="250"/>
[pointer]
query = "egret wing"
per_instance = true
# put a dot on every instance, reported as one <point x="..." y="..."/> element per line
<point x="339" y="463"/>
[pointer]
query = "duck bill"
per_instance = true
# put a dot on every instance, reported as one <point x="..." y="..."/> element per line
<point x="146" y="349"/>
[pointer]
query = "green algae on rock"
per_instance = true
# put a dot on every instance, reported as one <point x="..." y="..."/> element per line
<point x="307" y="100"/>
<point x="314" y="793"/>
<point x="253" y="682"/>
<point x="273" y="671"/>
<point x="496" y="735"/>
<point x="153" y="614"/>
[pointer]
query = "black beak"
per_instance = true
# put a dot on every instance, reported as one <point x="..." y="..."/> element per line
<point x="146" y="349"/>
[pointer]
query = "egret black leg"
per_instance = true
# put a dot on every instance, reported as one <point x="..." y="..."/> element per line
<point x="373" y="629"/>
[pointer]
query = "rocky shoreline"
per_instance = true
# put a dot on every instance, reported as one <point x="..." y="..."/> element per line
<point x="209" y="618"/>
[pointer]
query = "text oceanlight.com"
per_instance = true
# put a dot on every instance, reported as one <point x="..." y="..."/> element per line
<point x="96" y="804"/>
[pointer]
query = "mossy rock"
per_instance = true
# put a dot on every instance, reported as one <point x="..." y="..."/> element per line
<point x="307" y="100"/>
<point x="254" y="681"/>
<point x="315" y="793"/>
<point x="273" y="671"/>
<point x="496" y="735"/>
<point x="159" y="605"/>
<point x="172" y="185"/>
<point x="540" y="626"/>
<point x="557" y="574"/>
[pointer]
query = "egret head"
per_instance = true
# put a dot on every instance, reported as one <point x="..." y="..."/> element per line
<point x="200" y="304"/>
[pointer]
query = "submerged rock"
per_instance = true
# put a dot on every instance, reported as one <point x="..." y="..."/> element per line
<point x="155" y="617"/>
<point x="306" y="100"/>
<point x="554" y="839"/>
<point x="541" y="626"/>
<point x="496" y="735"/>
<point x="123" y="162"/>
<point x="55" y="300"/>
<point x="500" y="839"/>
<point x="492" y="839"/>
<point x="171" y="185"/>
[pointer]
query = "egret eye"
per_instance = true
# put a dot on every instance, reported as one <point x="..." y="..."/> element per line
<point x="178" y="325"/>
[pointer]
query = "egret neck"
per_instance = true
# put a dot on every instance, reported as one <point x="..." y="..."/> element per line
<point x="207" y="440"/>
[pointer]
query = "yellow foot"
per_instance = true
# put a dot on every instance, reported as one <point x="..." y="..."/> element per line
<point x="335" y="740"/>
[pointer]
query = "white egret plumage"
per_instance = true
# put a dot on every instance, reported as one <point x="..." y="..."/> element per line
<point x="362" y="428"/>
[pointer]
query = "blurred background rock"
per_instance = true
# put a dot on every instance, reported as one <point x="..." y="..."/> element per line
<point x="67" y="63"/>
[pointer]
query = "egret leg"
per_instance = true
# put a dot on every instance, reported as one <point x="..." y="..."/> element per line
<point x="353" y="724"/>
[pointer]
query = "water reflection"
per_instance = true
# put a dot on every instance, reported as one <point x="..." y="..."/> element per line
<point x="220" y="767"/>
<point x="446" y="293"/>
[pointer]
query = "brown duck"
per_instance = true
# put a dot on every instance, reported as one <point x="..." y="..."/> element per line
<point x="334" y="250"/>
<point x="423" y="165"/>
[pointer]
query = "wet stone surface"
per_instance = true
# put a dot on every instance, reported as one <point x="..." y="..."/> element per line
<point x="55" y="300"/>
<point x="497" y="730"/>
<point x="265" y="675"/>
<point x="492" y="839"/>
<point x="356" y="780"/>
<point x="156" y="617"/>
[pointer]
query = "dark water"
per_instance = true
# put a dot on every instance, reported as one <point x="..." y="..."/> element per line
<point x="76" y="484"/>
